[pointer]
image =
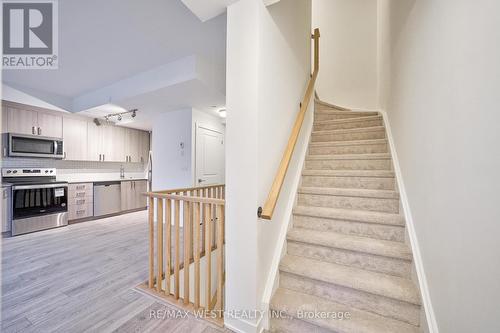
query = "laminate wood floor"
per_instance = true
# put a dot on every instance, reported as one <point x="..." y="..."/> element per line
<point x="80" y="278"/>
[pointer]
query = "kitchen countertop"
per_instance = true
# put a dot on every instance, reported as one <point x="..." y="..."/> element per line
<point x="104" y="180"/>
<point x="100" y="177"/>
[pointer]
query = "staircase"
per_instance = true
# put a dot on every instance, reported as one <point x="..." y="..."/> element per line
<point x="346" y="251"/>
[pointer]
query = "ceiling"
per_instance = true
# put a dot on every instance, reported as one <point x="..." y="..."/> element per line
<point x="208" y="9"/>
<point x="104" y="42"/>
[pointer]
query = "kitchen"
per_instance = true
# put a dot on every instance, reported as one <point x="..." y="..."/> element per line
<point x="60" y="168"/>
<point x="133" y="105"/>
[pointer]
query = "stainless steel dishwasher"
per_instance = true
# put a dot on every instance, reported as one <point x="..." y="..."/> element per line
<point x="107" y="198"/>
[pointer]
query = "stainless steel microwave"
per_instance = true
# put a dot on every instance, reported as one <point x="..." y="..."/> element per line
<point x="21" y="145"/>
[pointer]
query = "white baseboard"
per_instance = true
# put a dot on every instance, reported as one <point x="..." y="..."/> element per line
<point x="417" y="258"/>
<point x="243" y="326"/>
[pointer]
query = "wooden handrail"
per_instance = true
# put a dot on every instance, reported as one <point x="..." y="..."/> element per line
<point x="185" y="198"/>
<point x="184" y="189"/>
<point x="272" y="198"/>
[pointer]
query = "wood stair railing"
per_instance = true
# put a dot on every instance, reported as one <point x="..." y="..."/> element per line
<point x="200" y="210"/>
<point x="267" y="211"/>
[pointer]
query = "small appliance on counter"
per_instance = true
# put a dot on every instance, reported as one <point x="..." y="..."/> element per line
<point x="38" y="200"/>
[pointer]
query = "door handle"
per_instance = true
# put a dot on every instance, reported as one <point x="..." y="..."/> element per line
<point x="99" y="157"/>
<point x="201" y="180"/>
<point x="32" y="129"/>
<point x="39" y="131"/>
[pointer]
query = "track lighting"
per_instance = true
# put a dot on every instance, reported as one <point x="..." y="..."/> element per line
<point x="119" y="115"/>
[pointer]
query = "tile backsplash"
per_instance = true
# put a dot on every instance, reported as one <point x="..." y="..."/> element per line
<point x="64" y="166"/>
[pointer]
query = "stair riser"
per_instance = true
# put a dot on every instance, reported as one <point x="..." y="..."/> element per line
<point x="384" y="306"/>
<point x="372" y="183"/>
<point x="354" y="149"/>
<point x="348" y="125"/>
<point x="280" y="325"/>
<point x="368" y="135"/>
<point x="372" y="230"/>
<point x="382" y="164"/>
<point x="320" y="116"/>
<point x="387" y="265"/>
<point x="358" y="203"/>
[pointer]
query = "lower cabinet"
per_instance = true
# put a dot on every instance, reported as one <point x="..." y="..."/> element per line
<point x="80" y="201"/>
<point x="132" y="194"/>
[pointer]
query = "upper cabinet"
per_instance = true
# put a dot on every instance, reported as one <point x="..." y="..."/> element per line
<point x="83" y="139"/>
<point x="25" y="121"/>
<point x="144" y="147"/>
<point x="117" y="149"/>
<point x="132" y="144"/>
<point x="50" y="125"/>
<point x="75" y="139"/>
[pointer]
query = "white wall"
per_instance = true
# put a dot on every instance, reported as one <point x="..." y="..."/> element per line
<point x="241" y="162"/>
<point x="172" y="165"/>
<point x="284" y="71"/>
<point x="348" y="52"/>
<point x="440" y="80"/>
<point x="268" y="55"/>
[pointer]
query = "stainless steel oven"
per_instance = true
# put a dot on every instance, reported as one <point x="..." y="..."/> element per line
<point x="21" y="145"/>
<point x="39" y="201"/>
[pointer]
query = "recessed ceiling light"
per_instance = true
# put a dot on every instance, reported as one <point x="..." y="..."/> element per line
<point x="222" y="113"/>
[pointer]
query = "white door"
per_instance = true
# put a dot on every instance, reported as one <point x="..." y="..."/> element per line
<point x="209" y="156"/>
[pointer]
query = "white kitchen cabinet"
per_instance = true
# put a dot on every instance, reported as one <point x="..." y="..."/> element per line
<point x="107" y="143"/>
<point x="22" y="121"/>
<point x="50" y="125"/>
<point x="127" y="195"/>
<point x="94" y="142"/>
<point x="75" y="139"/>
<point x="132" y="144"/>
<point x="80" y="201"/>
<point x="144" y="147"/>
<point x="140" y="187"/>
<point x="117" y="153"/>
<point x="132" y="194"/>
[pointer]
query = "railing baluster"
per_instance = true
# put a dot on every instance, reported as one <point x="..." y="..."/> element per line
<point x="176" y="246"/>
<point x="208" y="256"/>
<point x="159" y="243"/>
<point x="200" y="214"/>
<point x="151" y="242"/>
<point x="203" y="219"/>
<point x="220" y="247"/>
<point x="187" y="248"/>
<point x="196" y="227"/>
<point x="168" y="244"/>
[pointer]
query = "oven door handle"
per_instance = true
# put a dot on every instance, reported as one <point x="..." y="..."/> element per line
<point x="33" y="187"/>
